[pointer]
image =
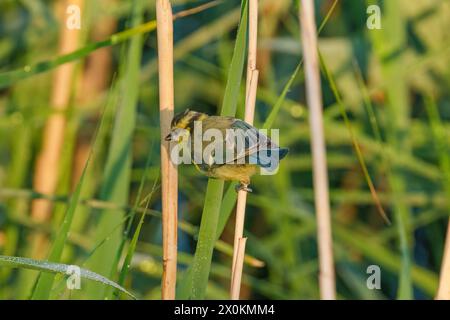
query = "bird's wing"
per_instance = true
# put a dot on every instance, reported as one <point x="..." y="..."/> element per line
<point x="212" y="135"/>
<point x="259" y="149"/>
<point x="247" y="141"/>
<point x="239" y="142"/>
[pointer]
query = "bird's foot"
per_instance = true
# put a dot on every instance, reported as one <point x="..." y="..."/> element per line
<point x="243" y="187"/>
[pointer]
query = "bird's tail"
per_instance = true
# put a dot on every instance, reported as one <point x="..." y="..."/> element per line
<point x="282" y="152"/>
<point x="268" y="158"/>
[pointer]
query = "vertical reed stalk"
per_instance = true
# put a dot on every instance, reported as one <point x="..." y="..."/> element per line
<point x="169" y="179"/>
<point x="47" y="164"/>
<point x="250" y="100"/>
<point x="320" y="176"/>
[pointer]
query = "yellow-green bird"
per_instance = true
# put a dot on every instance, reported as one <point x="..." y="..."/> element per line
<point x="225" y="147"/>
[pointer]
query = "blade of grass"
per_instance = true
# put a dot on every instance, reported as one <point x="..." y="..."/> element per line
<point x="374" y="126"/>
<point x="89" y="254"/>
<point x="52" y="267"/>
<point x="353" y="139"/>
<point x="276" y="108"/>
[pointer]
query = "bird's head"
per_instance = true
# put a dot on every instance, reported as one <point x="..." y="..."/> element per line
<point x="182" y="123"/>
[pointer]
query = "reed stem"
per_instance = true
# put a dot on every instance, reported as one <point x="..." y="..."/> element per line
<point x="169" y="178"/>
<point x="250" y="100"/>
<point x="320" y="175"/>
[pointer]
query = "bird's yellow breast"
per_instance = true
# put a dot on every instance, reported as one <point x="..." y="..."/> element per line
<point x="241" y="172"/>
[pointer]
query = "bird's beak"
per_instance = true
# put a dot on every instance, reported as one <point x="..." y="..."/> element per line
<point x="168" y="137"/>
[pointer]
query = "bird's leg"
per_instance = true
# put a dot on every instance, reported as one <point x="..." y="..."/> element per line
<point x="242" y="186"/>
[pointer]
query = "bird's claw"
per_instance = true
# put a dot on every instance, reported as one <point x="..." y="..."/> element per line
<point x="243" y="187"/>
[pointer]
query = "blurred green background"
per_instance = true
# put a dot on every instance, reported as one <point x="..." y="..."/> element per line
<point x="394" y="84"/>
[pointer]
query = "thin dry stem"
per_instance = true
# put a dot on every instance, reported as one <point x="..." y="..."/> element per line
<point x="47" y="163"/>
<point x="251" y="87"/>
<point x="237" y="274"/>
<point x="169" y="178"/>
<point x="320" y="175"/>
<point x="252" y="44"/>
<point x="195" y="10"/>
<point x="251" y="96"/>
<point x="444" y="279"/>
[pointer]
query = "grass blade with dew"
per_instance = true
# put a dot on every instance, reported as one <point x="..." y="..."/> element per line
<point x="52" y="267"/>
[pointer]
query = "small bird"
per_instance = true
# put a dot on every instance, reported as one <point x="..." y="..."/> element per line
<point x="244" y="148"/>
